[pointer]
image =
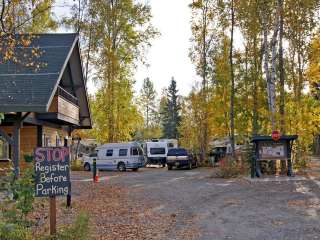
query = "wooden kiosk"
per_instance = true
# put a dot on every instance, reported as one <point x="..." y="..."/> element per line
<point x="266" y="148"/>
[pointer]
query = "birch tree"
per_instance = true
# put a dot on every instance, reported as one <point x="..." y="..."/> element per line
<point x="232" y="138"/>
<point x="271" y="73"/>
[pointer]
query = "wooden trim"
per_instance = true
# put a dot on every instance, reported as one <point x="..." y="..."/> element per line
<point x="76" y="39"/>
<point x="6" y="137"/>
<point x="39" y="136"/>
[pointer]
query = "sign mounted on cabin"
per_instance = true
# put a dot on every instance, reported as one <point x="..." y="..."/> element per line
<point x="52" y="171"/>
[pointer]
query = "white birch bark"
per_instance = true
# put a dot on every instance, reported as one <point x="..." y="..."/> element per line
<point x="271" y="77"/>
<point x="274" y="42"/>
<point x="266" y="56"/>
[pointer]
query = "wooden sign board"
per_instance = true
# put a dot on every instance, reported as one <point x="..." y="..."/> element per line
<point x="272" y="150"/>
<point x="52" y="171"/>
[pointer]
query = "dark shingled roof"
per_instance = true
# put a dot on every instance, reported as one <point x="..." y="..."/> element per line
<point x="22" y="89"/>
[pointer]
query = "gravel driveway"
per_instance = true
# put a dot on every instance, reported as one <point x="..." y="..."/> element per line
<point x="208" y="208"/>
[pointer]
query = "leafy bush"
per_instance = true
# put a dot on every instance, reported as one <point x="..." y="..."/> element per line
<point x="77" y="165"/>
<point x="23" y="192"/>
<point x="14" y="210"/>
<point x="20" y="197"/>
<point x="301" y="159"/>
<point x="11" y="231"/>
<point x="18" y="204"/>
<point x="230" y="168"/>
<point x="79" y="230"/>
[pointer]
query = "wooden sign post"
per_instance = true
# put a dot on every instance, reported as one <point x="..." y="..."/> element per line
<point x="53" y="216"/>
<point x="52" y="176"/>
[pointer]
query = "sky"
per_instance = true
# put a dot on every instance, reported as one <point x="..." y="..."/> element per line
<point x="168" y="56"/>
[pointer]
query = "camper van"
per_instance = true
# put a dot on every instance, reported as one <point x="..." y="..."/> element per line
<point x="117" y="156"/>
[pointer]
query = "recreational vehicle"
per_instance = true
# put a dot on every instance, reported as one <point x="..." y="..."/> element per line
<point x="156" y="150"/>
<point x="117" y="156"/>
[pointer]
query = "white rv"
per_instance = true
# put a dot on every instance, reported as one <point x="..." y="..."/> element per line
<point x="171" y="143"/>
<point x="117" y="156"/>
<point x="156" y="153"/>
<point x="157" y="149"/>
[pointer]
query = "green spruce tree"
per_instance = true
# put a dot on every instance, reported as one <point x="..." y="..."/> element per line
<point x="171" y="113"/>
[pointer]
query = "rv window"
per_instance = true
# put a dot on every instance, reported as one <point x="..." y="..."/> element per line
<point x="136" y="151"/>
<point x="109" y="153"/>
<point x="170" y="145"/>
<point x="157" y="151"/>
<point x="123" y="152"/>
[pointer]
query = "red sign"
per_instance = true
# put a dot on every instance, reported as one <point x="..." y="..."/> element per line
<point x="276" y="135"/>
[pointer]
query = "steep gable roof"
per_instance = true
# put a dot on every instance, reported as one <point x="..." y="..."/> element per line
<point x="23" y="88"/>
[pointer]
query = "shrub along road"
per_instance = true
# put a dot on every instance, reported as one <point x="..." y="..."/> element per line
<point x="184" y="204"/>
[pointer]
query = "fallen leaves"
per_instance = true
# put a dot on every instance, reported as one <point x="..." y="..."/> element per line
<point x="114" y="215"/>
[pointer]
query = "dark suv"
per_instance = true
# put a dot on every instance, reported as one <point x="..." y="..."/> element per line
<point x="179" y="157"/>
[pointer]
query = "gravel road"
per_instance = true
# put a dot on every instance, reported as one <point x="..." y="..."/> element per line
<point x="209" y="208"/>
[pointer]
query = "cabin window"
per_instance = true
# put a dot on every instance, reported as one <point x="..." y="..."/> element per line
<point x="46" y="141"/>
<point x="58" y="141"/>
<point x="157" y="151"/>
<point x="4" y="149"/>
<point x="109" y="153"/>
<point x="123" y="152"/>
<point x="136" y="151"/>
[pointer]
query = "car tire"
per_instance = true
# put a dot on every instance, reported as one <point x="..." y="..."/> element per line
<point x="87" y="167"/>
<point x="135" y="169"/>
<point x="169" y="167"/>
<point x="121" y="167"/>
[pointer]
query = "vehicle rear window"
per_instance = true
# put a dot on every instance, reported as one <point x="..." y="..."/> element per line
<point x="93" y="155"/>
<point x="123" y="152"/>
<point x="177" y="152"/>
<point x="157" y="151"/>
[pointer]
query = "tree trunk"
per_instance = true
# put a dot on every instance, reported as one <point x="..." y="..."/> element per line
<point x="281" y="70"/>
<point x="232" y="140"/>
<point x="255" y="90"/>
<point x="204" y="137"/>
<point x="271" y="91"/>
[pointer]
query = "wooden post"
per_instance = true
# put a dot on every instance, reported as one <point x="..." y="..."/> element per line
<point x="53" y="220"/>
<point x="16" y="148"/>
<point x="66" y="145"/>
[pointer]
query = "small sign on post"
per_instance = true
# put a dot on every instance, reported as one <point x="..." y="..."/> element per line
<point x="52" y="176"/>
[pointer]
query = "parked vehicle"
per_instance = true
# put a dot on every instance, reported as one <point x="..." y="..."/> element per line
<point x="171" y="143"/>
<point x="117" y="156"/>
<point x="180" y="157"/>
<point x="156" y="152"/>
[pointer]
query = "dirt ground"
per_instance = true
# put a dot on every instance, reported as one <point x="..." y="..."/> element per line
<point x="182" y="204"/>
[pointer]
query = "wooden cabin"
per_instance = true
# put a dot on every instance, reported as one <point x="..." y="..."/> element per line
<point x="43" y="100"/>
